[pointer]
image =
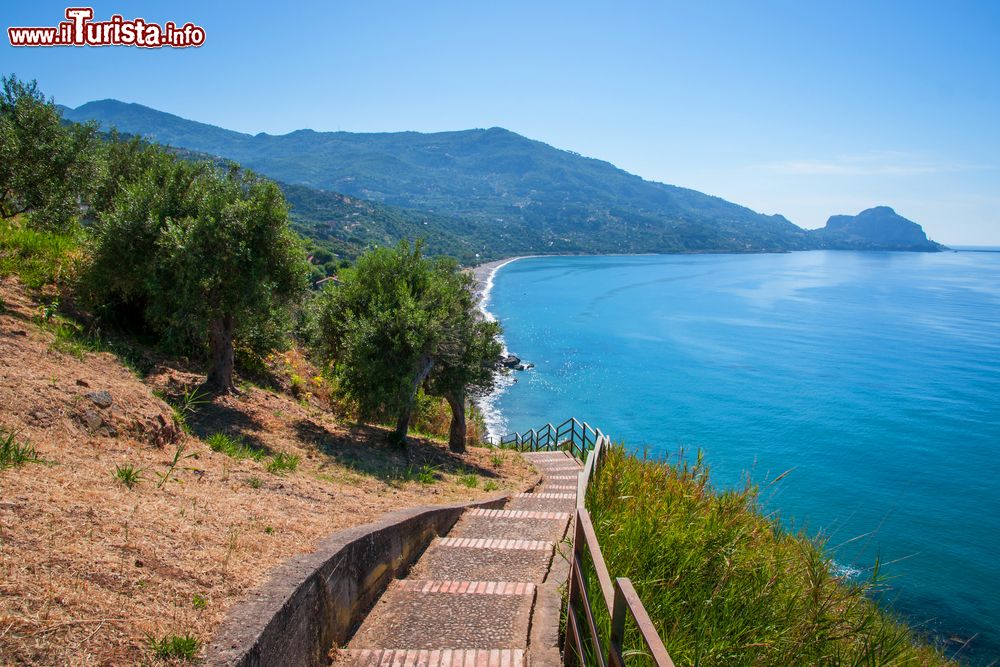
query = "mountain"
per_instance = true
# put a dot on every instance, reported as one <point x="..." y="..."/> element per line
<point x="476" y="193"/>
<point x="879" y="228"/>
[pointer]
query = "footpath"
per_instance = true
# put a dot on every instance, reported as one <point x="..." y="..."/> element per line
<point x="479" y="595"/>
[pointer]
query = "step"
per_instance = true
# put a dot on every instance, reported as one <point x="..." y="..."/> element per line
<point x="518" y="514"/>
<point x="440" y="614"/>
<point x="512" y="525"/>
<point x="475" y="657"/>
<point x="547" y="456"/>
<point x="538" y="502"/>
<point x="481" y="558"/>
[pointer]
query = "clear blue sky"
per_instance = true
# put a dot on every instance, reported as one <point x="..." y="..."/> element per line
<point x="801" y="108"/>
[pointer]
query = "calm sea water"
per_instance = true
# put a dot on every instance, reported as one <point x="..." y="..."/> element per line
<point x="875" y="377"/>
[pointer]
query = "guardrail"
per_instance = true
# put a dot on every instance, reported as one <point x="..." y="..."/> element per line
<point x="619" y="599"/>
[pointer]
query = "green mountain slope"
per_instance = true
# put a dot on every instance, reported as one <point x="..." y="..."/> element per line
<point x="491" y="192"/>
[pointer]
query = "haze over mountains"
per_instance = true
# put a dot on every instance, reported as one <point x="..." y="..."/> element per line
<point x="484" y="194"/>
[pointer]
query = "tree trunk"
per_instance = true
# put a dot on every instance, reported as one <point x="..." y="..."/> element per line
<point x="458" y="430"/>
<point x="220" y="373"/>
<point x="403" y="421"/>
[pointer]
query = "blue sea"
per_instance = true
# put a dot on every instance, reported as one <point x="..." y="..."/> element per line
<point x="873" y="377"/>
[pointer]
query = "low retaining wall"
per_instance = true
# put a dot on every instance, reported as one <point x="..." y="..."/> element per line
<point x="314" y="601"/>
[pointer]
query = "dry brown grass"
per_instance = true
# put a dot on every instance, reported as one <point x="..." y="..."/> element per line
<point x="90" y="568"/>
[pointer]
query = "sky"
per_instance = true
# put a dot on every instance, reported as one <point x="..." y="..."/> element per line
<point x="804" y="108"/>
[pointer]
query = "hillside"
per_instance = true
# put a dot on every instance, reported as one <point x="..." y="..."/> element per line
<point x="135" y="520"/>
<point x="480" y="194"/>
<point x="514" y="194"/>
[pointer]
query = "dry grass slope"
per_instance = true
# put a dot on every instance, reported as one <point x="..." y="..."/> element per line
<point x="98" y="571"/>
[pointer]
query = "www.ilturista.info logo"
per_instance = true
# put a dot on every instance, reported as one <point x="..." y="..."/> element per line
<point x="81" y="30"/>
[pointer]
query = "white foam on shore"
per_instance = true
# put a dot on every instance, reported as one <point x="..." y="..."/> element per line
<point x="484" y="298"/>
<point x="496" y="425"/>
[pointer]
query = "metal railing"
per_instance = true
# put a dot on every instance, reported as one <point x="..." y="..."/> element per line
<point x="619" y="599"/>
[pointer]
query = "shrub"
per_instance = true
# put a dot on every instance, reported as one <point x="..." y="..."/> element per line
<point x="470" y="480"/>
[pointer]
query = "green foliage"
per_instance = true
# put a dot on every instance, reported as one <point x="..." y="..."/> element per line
<point x="38" y="257"/>
<point x="128" y="474"/>
<point x="397" y="320"/>
<point x="175" y="647"/>
<point x="185" y="405"/>
<point x="205" y="255"/>
<point x="282" y="462"/>
<point x="46" y="168"/>
<point x="490" y="485"/>
<point x="724" y="584"/>
<point x="469" y="480"/>
<point x="255" y="482"/>
<point x="427" y="474"/>
<point x="199" y="601"/>
<point x="234" y="447"/>
<point x="492" y="192"/>
<point x="15" y="452"/>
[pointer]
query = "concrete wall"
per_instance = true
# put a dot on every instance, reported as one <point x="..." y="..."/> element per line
<point x="315" y="600"/>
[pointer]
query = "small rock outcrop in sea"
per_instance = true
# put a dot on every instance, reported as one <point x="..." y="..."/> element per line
<point x="879" y="228"/>
<point x="514" y="362"/>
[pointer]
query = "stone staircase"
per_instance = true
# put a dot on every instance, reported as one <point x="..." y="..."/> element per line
<point x="469" y="600"/>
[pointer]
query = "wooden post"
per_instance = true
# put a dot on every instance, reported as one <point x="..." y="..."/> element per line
<point x="617" y="638"/>
<point x="572" y="598"/>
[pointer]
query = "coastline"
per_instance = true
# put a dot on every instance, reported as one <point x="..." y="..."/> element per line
<point x="483" y="275"/>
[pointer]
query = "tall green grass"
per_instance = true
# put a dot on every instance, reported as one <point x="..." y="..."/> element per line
<point x="37" y="257"/>
<point x="726" y="585"/>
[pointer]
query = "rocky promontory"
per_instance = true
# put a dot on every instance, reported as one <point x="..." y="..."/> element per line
<point x="878" y="228"/>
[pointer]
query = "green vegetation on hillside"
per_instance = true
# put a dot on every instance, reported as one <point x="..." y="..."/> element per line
<point x="514" y="195"/>
<point x="205" y="256"/>
<point x="197" y="257"/>
<point x="477" y="194"/>
<point x="725" y="584"/>
<point x="399" y="322"/>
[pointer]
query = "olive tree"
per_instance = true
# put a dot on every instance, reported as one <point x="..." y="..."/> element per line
<point x="47" y="168"/>
<point x="398" y="321"/>
<point x="205" y="255"/>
